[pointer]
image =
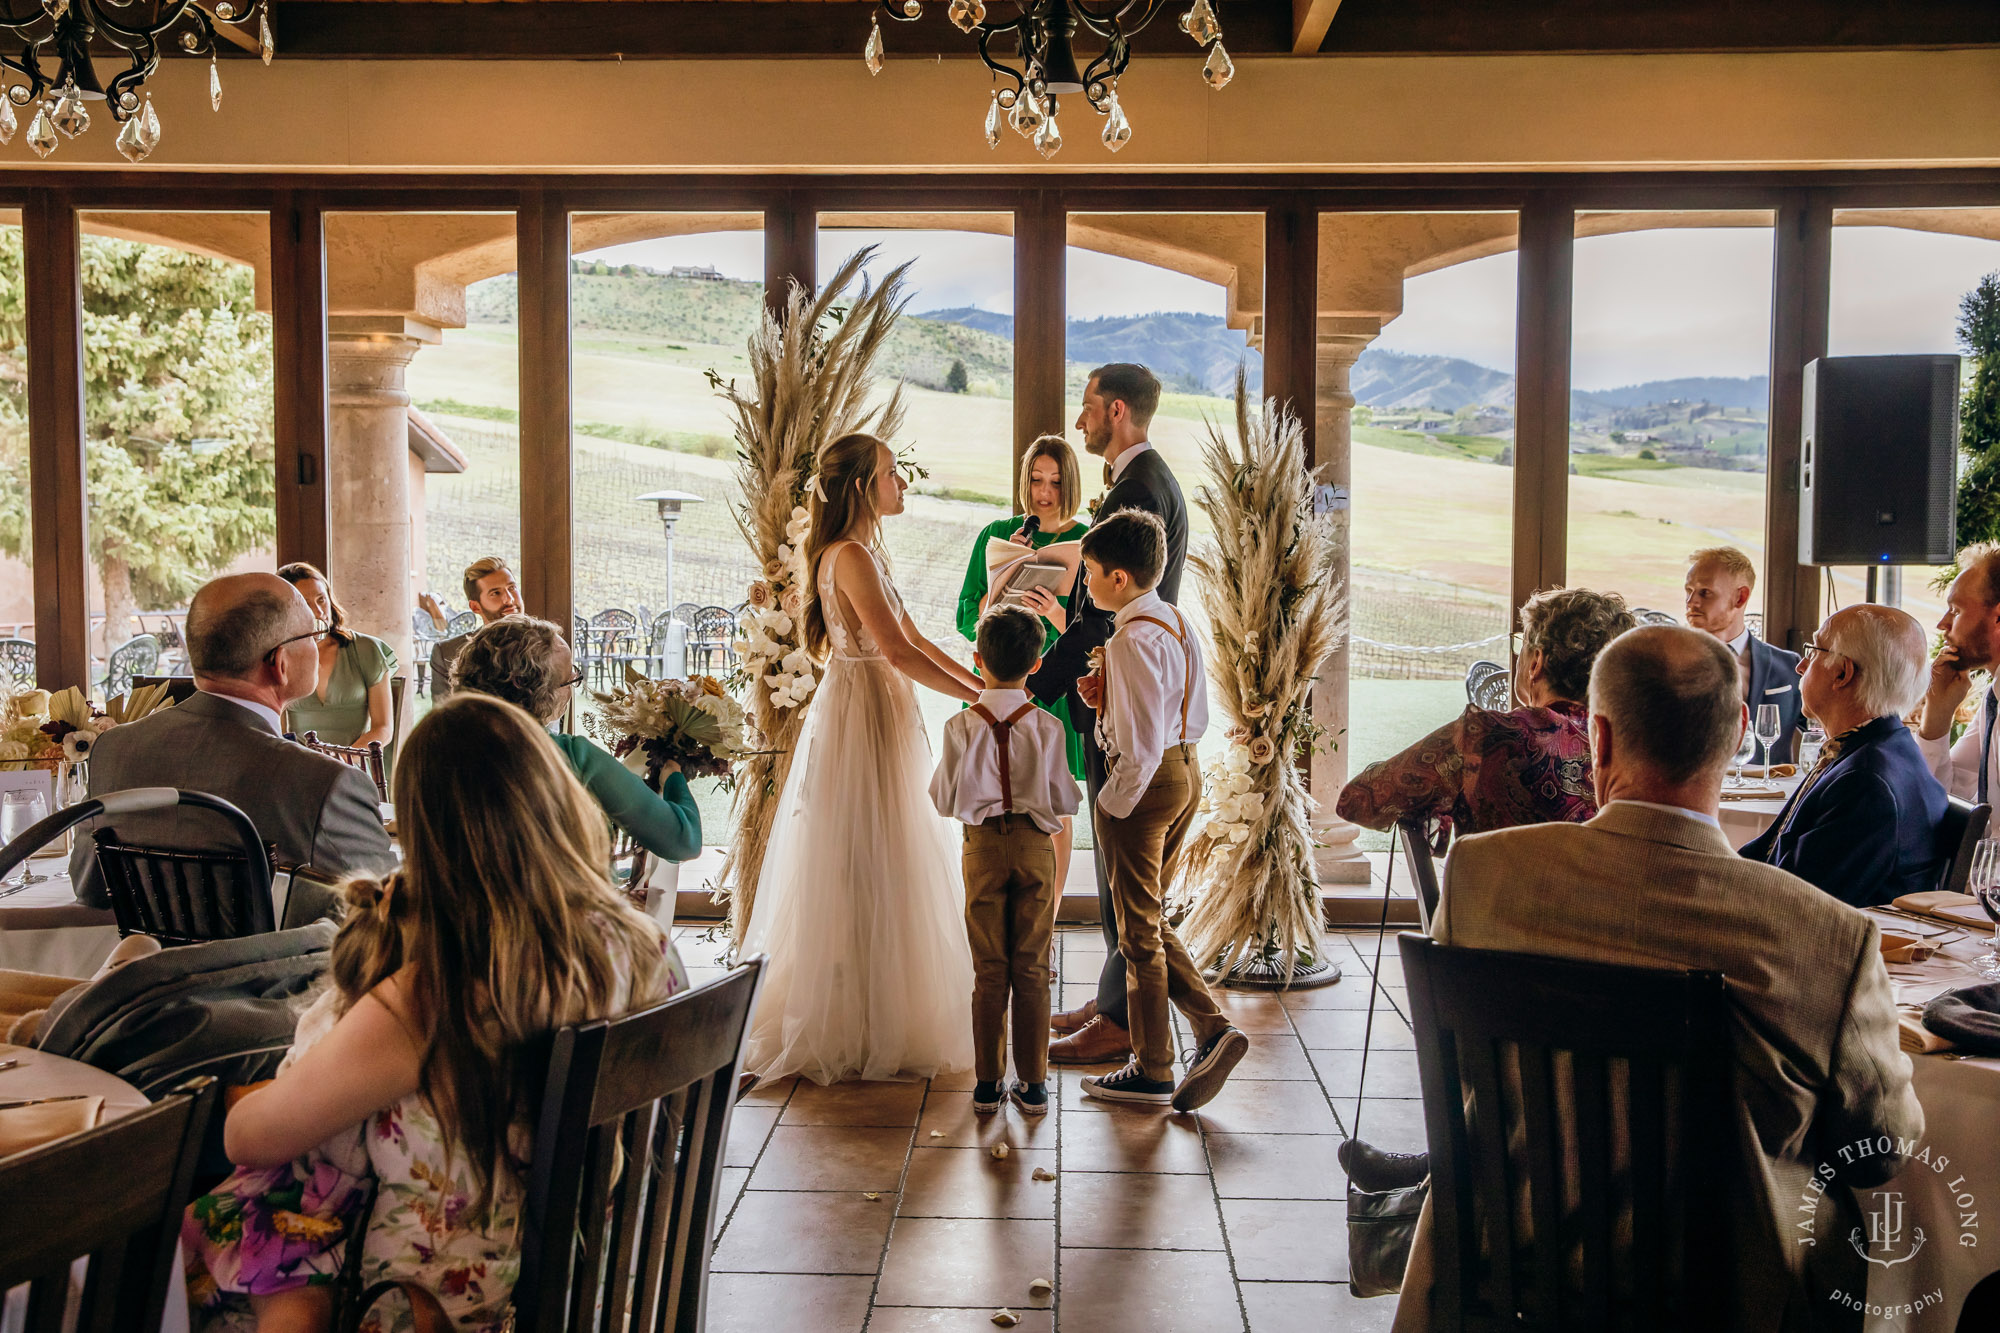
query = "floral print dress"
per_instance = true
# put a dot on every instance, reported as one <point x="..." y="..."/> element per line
<point x="286" y="1227"/>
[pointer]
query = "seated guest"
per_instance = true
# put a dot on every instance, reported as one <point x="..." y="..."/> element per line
<point x="352" y="704"/>
<point x="414" y="1069"/>
<point x="525" y="661"/>
<point x="1863" y="825"/>
<point x="254" y="650"/>
<point x="1529" y="765"/>
<point x="491" y="592"/>
<point x="1719" y="583"/>
<point x="1651" y="882"/>
<point x="1969" y="769"/>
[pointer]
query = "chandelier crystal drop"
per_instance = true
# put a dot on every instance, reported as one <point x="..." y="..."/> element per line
<point x="41" y="134"/>
<point x="266" y="45"/>
<point x="132" y="141"/>
<point x="214" y="85"/>
<point x="69" y="115"/>
<point x="149" y="126"/>
<point x="9" y="126"/>
<point x="1038" y="60"/>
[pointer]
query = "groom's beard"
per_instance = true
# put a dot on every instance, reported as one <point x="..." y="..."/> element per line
<point x="1098" y="443"/>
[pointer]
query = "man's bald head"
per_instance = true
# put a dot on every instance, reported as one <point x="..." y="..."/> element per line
<point x="234" y="621"/>
<point x="1886" y="646"/>
<point x="1671" y="698"/>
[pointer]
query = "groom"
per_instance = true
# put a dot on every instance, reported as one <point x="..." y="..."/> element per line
<point x="1118" y="405"/>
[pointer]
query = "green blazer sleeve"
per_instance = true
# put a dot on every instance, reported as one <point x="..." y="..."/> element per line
<point x="667" y="825"/>
<point x="974" y="591"/>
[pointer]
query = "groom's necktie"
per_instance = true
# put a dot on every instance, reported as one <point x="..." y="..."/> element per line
<point x="1002" y="733"/>
<point x="1986" y="746"/>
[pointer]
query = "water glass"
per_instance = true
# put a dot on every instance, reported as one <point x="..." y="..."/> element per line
<point x="1744" y="749"/>
<point x="1984" y="885"/>
<point x="1767" y="732"/>
<point x="19" y="812"/>
<point x="1810" y="742"/>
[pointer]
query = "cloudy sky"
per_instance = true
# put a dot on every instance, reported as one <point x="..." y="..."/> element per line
<point x="1649" y="305"/>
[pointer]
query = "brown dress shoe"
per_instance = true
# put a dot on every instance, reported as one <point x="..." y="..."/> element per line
<point x="1067" y="1021"/>
<point x="1097" y="1042"/>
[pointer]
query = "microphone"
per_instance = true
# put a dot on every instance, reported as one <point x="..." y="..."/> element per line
<point x="1031" y="527"/>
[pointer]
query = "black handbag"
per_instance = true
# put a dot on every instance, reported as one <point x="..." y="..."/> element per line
<point x="1380" y="1224"/>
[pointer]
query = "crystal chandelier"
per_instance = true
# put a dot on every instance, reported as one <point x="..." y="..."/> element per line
<point x="1042" y="65"/>
<point x="61" y="32"/>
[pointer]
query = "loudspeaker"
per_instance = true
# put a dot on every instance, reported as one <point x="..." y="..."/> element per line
<point x="1878" y="461"/>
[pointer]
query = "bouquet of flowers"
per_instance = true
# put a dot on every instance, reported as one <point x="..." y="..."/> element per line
<point x="692" y="722"/>
<point x="43" y="730"/>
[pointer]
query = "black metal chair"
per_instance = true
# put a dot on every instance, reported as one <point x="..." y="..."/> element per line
<point x="17" y="664"/>
<point x="137" y="656"/>
<point x="123" y="1187"/>
<point x="1622" y="1103"/>
<point x="714" y="631"/>
<point x="1494" y="690"/>
<point x="619" y="1218"/>
<point x="617" y="633"/>
<point x="179" y="688"/>
<point x="1964" y="824"/>
<point x="176" y="896"/>
<point x="1422" y="867"/>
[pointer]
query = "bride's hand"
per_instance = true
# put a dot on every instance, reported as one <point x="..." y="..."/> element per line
<point x="1046" y="605"/>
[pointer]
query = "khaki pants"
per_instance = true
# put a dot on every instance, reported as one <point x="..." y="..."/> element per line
<point x="1010" y="916"/>
<point x="1140" y="852"/>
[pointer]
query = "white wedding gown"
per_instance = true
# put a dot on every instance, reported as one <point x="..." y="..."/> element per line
<point x="861" y="904"/>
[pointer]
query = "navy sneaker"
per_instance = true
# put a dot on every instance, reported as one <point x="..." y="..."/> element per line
<point x="986" y="1097"/>
<point x="1129" y="1085"/>
<point x="1209" y="1068"/>
<point x="1032" y="1098"/>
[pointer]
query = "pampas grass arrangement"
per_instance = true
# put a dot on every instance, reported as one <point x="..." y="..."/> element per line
<point x="811" y="372"/>
<point x="1275" y="614"/>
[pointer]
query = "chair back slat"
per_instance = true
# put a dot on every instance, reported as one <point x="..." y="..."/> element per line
<point x="1574" y="1111"/>
<point x="628" y="1220"/>
<point x="123" y="1186"/>
<point x="183" y="897"/>
<point x="368" y="758"/>
<point x="1422" y="867"/>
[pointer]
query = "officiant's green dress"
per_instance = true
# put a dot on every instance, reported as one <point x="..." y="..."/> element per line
<point x="974" y="592"/>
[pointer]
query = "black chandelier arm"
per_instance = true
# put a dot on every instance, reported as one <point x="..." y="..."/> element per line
<point x="1110" y="63"/>
<point x="22" y="27"/>
<point x="1116" y="21"/>
<point x="133" y="37"/>
<point x="29" y="68"/>
<point x="145" y="60"/>
<point x="986" y="34"/>
<point x="895" y="11"/>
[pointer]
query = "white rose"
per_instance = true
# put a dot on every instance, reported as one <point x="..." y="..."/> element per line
<point x="793" y="601"/>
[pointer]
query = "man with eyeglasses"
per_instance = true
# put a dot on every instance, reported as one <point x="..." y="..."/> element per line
<point x="254" y="649"/>
<point x="492" y="594"/>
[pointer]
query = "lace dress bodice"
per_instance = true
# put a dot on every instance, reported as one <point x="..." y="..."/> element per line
<point x="852" y="641"/>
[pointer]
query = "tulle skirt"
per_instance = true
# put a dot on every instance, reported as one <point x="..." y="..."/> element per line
<point x="861" y="903"/>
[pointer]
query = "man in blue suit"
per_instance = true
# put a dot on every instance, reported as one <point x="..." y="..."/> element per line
<point x="1720" y="580"/>
<point x="1863" y="824"/>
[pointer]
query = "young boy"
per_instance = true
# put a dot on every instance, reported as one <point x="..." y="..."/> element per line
<point x="1005" y="774"/>
<point x="1151" y="700"/>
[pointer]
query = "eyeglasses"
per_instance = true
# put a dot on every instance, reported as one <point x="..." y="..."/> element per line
<point x="317" y="634"/>
<point x="1812" y="648"/>
<point x="574" y="681"/>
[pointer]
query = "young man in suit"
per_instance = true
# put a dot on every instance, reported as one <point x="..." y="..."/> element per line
<point x="1118" y="405"/>
<point x="1720" y="580"/>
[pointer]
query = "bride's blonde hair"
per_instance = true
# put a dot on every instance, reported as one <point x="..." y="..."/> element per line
<point x="844" y="494"/>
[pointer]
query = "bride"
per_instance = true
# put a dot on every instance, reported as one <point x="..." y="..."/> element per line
<point x="860" y="904"/>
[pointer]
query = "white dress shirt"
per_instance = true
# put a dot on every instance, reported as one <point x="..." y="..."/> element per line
<point x="264" y="711"/>
<point x="966" y="786"/>
<point x="1740" y="646"/>
<point x="1150" y="676"/>
<point x="1702" y="815"/>
<point x="1957" y="766"/>
<point x="1132" y="451"/>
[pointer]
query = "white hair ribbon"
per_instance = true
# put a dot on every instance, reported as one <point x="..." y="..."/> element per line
<point x="817" y="488"/>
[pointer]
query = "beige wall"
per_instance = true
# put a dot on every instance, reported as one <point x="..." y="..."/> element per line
<point x="1806" y="110"/>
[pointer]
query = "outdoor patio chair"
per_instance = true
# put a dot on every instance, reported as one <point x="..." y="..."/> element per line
<point x="137" y="656"/>
<point x="1644" y="616"/>
<point x="17" y="664"/>
<point x="714" y="631"/>
<point x="1754" y="622"/>
<point x="658" y="639"/>
<point x="1476" y="674"/>
<point x="1495" y="691"/>
<point x="616" y="631"/>
<point x="463" y="623"/>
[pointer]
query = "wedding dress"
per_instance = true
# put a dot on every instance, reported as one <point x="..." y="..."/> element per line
<point x="860" y="906"/>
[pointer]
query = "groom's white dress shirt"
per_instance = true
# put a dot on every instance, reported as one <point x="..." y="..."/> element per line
<point x="1132" y="451"/>
<point x="1153" y="679"/>
<point x="967" y="785"/>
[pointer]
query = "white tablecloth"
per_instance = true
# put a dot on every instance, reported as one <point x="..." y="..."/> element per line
<point x="44" y="929"/>
<point x="1961" y="1100"/>
<point x="1744" y="820"/>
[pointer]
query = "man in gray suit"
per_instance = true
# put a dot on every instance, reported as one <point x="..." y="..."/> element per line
<point x="254" y="648"/>
<point x="1652" y="882"/>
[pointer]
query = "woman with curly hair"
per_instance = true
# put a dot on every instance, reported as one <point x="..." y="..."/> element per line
<point x="526" y="662"/>
<point x="1528" y="765"/>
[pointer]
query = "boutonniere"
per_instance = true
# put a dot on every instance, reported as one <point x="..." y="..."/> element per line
<point x="1095" y="505"/>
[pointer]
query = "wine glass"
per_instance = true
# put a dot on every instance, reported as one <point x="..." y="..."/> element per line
<point x="1811" y="740"/>
<point x="1744" y="749"/>
<point x="1984" y="885"/>
<point x="1767" y="732"/>
<point x="19" y="812"/>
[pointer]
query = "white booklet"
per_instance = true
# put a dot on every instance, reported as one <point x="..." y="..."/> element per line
<point x="1012" y="569"/>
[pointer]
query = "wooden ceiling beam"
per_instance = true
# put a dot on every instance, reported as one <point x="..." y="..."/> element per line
<point x="1310" y="21"/>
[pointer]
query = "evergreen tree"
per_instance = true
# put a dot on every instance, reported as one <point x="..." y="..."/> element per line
<point x="180" y="462"/>
<point x="1979" y="414"/>
<point x="955" y="380"/>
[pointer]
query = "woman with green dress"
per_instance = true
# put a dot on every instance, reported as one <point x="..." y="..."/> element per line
<point x="352" y="704"/>
<point x="1051" y="492"/>
<point x="526" y="662"/>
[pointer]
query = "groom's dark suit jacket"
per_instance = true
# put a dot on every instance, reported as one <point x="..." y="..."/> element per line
<point x="1148" y="483"/>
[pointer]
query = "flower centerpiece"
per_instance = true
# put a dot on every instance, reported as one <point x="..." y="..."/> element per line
<point x="1275" y="613"/>
<point x="694" y="723"/>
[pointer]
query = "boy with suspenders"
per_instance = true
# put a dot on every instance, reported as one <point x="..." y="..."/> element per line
<point x="1004" y="773"/>
<point x="1150" y="694"/>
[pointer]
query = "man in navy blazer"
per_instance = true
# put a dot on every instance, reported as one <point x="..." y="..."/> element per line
<point x="1863" y="825"/>
<point x="1719" y="583"/>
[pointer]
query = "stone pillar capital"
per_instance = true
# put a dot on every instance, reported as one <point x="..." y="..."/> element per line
<point x="367" y="356"/>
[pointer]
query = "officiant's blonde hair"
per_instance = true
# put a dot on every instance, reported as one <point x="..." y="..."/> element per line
<point x="845" y="492"/>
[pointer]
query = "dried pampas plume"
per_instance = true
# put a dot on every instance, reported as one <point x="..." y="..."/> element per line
<point x="811" y="373"/>
<point x="1275" y="614"/>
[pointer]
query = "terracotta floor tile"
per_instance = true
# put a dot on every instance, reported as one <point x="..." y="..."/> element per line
<point x="1290" y="1307"/>
<point x="1343" y="1029"/>
<point x="804" y="1233"/>
<point x="969" y="1182"/>
<point x="832" y="1157"/>
<point x="882" y="1104"/>
<point x="1395" y="1123"/>
<point x="760" y="1302"/>
<point x="1133" y="1139"/>
<point x="988" y="1262"/>
<point x="1273" y="1056"/>
<point x="1390" y="1074"/>
<point x="1350" y="992"/>
<point x="952" y="1113"/>
<point x="769" y="1094"/>
<point x="1287" y="1240"/>
<point x="729" y="1189"/>
<point x="1276" y="1166"/>
<point x="1251" y="1106"/>
<point x="1148" y="1291"/>
<point x="962" y="1081"/>
<point x="1134" y="1211"/>
<point x="1255" y="1013"/>
<point x="903" y="1319"/>
<point x="1069" y="1089"/>
<point x="749" y="1126"/>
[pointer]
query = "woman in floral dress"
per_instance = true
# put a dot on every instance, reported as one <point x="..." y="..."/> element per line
<point x="409" y="1069"/>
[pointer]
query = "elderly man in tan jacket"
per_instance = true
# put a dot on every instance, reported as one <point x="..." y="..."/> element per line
<point x="1652" y="882"/>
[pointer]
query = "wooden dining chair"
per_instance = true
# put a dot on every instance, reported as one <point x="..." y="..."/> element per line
<point x="175" y="895"/>
<point x="112" y="1196"/>
<point x="368" y="758"/>
<point x="1959" y="832"/>
<point x="619" y="1217"/>
<point x="1547" y="1082"/>
<point x="1416" y="847"/>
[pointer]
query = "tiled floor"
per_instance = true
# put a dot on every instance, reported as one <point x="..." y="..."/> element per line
<point x="1233" y="1218"/>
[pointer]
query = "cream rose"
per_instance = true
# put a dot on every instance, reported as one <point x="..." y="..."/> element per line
<point x="760" y="594"/>
<point x="1261" y="750"/>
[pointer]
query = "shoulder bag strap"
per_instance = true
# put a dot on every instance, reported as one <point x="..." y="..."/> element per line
<point x="1374" y="990"/>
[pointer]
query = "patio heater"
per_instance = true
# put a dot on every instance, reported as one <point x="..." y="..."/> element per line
<point x="670" y="503"/>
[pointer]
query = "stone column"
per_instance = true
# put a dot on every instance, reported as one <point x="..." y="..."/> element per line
<point x="368" y="466"/>
<point x="1341" y="340"/>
